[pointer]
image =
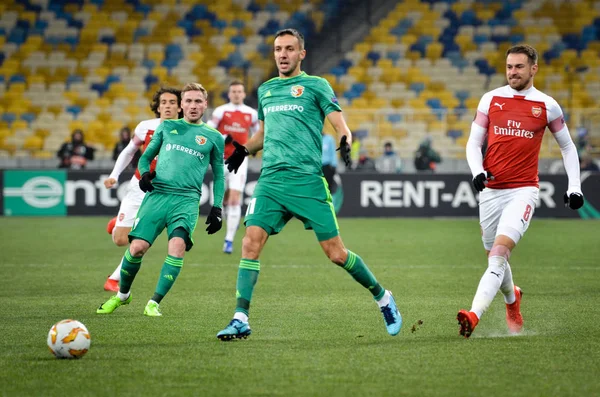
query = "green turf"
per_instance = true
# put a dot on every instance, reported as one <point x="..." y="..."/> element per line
<point x="315" y="331"/>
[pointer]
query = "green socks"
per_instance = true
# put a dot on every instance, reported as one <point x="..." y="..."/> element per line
<point x="361" y="273"/>
<point x="247" y="276"/>
<point x="129" y="268"/>
<point x="168" y="274"/>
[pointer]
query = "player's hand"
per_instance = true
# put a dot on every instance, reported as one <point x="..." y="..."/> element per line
<point x="237" y="157"/>
<point x="110" y="182"/>
<point x="345" y="150"/>
<point x="214" y="220"/>
<point x="145" y="183"/>
<point x="574" y="200"/>
<point x="481" y="180"/>
<point x="228" y="139"/>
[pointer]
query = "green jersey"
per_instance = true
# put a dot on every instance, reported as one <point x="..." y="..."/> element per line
<point x="186" y="150"/>
<point x="293" y="110"/>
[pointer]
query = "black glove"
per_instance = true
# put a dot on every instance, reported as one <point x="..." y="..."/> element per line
<point x="145" y="183"/>
<point x="574" y="200"/>
<point x="228" y="139"/>
<point x="480" y="180"/>
<point x="345" y="151"/>
<point x="214" y="220"/>
<point x="237" y="157"/>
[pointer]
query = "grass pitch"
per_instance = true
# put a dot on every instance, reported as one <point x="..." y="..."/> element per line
<point x="315" y="331"/>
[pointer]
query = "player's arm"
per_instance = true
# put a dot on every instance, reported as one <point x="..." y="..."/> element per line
<point x="573" y="197"/>
<point x="216" y="162"/>
<point x="479" y="128"/>
<point x="215" y="216"/>
<point x="123" y="161"/>
<point x="151" y="150"/>
<point x="341" y="128"/>
<point x="255" y="143"/>
<point x="215" y="118"/>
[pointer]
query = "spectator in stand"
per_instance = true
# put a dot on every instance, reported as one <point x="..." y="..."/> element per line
<point x="389" y="162"/>
<point x="75" y="154"/>
<point x="124" y="138"/>
<point x="426" y="157"/>
<point x="587" y="163"/>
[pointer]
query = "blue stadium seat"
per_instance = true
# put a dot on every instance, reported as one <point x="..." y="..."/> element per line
<point x="394" y="118"/>
<point x="455" y="134"/>
<point x="417" y="87"/>
<point x="74" y="110"/>
<point x="9" y="117"/>
<point x="28" y="117"/>
<point x="373" y="56"/>
<point x="101" y="88"/>
<point x="149" y="80"/>
<point x="17" y="78"/>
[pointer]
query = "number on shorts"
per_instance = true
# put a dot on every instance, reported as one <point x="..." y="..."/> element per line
<point x="251" y="205"/>
<point x="527" y="212"/>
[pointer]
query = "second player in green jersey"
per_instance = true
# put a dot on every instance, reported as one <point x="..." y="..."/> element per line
<point x="187" y="147"/>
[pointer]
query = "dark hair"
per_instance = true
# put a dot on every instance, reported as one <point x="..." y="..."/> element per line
<point x="236" y="82"/>
<point x="156" y="98"/>
<point x="526" y="49"/>
<point x="292" y="32"/>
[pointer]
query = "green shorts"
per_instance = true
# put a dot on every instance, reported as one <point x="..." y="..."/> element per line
<point x="160" y="210"/>
<point x="277" y="199"/>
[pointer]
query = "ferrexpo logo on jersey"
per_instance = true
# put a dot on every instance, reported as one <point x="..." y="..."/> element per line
<point x="200" y="140"/>
<point x="297" y="91"/>
<point x="283" y="108"/>
<point x="184" y="149"/>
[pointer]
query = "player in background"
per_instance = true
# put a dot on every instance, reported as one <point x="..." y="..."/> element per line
<point x="166" y="105"/>
<point x="514" y="119"/>
<point x="187" y="146"/>
<point x="291" y="112"/>
<point x="236" y="121"/>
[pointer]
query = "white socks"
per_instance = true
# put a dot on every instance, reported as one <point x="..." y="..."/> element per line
<point x="385" y="300"/>
<point x="122" y="296"/>
<point x="489" y="284"/>
<point x="116" y="275"/>
<point x="508" y="287"/>
<point x="240" y="316"/>
<point x="234" y="214"/>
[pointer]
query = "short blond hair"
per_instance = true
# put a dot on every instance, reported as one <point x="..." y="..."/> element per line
<point x="194" y="87"/>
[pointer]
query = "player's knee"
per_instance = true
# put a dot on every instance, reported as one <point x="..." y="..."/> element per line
<point x="121" y="240"/>
<point x="250" y="247"/>
<point x="138" y="247"/>
<point x="501" y="251"/>
<point x="337" y="256"/>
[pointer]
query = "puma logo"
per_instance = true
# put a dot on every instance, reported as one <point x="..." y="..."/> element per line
<point x="499" y="105"/>
<point x="496" y="274"/>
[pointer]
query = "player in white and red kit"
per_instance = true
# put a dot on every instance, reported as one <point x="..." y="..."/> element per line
<point x="166" y="106"/>
<point x="514" y="118"/>
<point x="236" y="121"/>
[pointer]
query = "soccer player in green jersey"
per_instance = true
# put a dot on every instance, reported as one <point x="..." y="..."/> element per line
<point x="291" y="112"/>
<point x="187" y="146"/>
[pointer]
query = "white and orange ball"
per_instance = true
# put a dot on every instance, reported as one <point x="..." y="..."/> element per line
<point x="69" y="339"/>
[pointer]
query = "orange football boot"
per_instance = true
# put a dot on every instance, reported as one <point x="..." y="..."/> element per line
<point x="111" y="225"/>
<point x="467" y="321"/>
<point x="514" y="319"/>
<point x="111" y="285"/>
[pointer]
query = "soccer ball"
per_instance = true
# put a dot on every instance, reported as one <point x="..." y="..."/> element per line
<point x="68" y="339"/>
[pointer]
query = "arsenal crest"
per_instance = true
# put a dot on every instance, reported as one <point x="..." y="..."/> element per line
<point x="536" y="111"/>
<point x="200" y="140"/>
<point x="297" y="91"/>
